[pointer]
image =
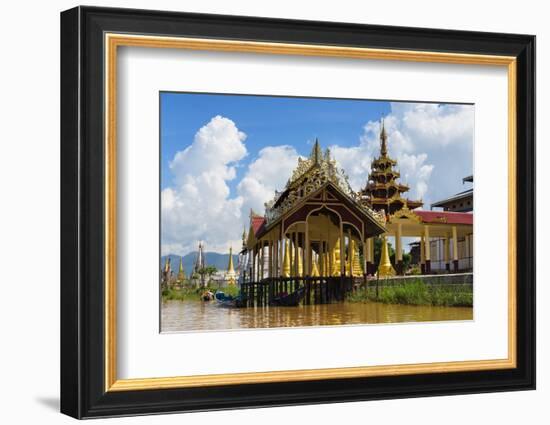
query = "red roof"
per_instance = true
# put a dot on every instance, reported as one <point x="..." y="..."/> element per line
<point x="258" y="223"/>
<point x="445" y="217"/>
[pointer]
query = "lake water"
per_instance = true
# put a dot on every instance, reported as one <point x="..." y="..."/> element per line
<point x="178" y="316"/>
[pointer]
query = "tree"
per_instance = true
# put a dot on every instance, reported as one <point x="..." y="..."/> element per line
<point x="206" y="271"/>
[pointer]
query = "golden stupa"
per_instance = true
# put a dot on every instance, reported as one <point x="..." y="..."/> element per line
<point x="385" y="269"/>
<point x="286" y="260"/>
<point x="336" y="259"/>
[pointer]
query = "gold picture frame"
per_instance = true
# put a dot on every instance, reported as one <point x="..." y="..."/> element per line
<point x="114" y="41"/>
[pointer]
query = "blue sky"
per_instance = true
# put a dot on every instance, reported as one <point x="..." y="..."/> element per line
<point x="222" y="155"/>
<point x="267" y="121"/>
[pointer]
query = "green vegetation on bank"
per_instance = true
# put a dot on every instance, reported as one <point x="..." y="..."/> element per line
<point x="415" y="292"/>
<point x="192" y="293"/>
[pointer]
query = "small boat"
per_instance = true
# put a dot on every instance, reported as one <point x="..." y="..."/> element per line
<point x="289" y="300"/>
<point x="225" y="300"/>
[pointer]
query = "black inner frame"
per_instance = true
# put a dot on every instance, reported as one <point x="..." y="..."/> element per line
<point x="82" y="206"/>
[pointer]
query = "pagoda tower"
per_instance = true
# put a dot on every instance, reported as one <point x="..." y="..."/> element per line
<point x="230" y="275"/>
<point x="166" y="272"/>
<point x="181" y="272"/>
<point x="200" y="263"/>
<point x="383" y="192"/>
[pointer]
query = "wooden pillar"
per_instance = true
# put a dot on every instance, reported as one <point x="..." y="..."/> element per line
<point x="281" y="251"/>
<point x="254" y="274"/>
<point x="366" y="248"/>
<point x="277" y="252"/>
<point x="365" y="271"/>
<point x="422" y="255"/>
<point x="307" y="254"/>
<point x="467" y="248"/>
<point x="261" y="261"/>
<point x="296" y="255"/>
<point x="270" y="259"/>
<point x="427" y="249"/>
<point x="371" y="256"/>
<point x="455" y="250"/>
<point x="446" y="253"/>
<point x="399" y="250"/>
<point x="342" y="252"/>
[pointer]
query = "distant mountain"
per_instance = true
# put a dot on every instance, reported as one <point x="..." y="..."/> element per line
<point x="220" y="261"/>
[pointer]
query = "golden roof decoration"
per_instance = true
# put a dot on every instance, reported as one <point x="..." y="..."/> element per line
<point x="310" y="174"/>
<point x="404" y="213"/>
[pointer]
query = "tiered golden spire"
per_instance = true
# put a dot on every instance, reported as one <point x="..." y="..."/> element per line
<point x="353" y="264"/>
<point x="383" y="191"/>
<point x="231" y="275"/>
<point x="383" y="140"/>
<point x="181" y="272"/>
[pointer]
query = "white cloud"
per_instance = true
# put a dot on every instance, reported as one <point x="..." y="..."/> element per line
<point x="431" y="124"/>
<point x="269" y="172"/>
<point x="445" y="131"/>
<point x="198" y="206"/>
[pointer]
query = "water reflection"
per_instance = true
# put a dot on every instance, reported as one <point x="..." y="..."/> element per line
<point x="180" y="316"/>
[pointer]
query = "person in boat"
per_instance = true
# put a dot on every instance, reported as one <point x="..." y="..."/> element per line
<point x="207" y="296"/>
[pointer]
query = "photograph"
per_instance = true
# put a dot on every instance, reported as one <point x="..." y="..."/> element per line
<point x="290" y="212"/>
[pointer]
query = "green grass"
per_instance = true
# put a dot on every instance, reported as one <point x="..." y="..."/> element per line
<point x="415" y="292"/>
<point x="190" y="293"/>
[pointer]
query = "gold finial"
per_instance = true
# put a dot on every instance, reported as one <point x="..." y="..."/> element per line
<point x="383" y="139"/>
<point x="316" y="153"/>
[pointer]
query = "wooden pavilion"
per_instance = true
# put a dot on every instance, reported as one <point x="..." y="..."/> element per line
<point x="315" y="231"/>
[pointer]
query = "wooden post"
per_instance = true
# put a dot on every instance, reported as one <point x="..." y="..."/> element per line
<point x="427" y="249"/>
<point x="446" y="253"/>
<point x="422" y="255"/>
<point x="399" y="250"/>
<point x="307" y="254"/>
<point x="455" y="250"/>
<point x="296" y="255"/>
<point x="342" y="251"/>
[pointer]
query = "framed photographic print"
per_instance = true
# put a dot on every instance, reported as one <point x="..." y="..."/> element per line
<point x="261" y="212"/>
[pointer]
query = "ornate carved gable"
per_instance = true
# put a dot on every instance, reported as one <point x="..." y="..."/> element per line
<point x="404" y="214"/>
<point x="310" y="175"/>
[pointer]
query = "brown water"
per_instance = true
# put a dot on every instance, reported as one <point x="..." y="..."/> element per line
<point x="180" y="316"/>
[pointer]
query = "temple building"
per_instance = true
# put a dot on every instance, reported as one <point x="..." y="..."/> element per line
<point x="383" y="191"/>
<point x="316" y="226"/>
<point x="200" y="264"/>
<point x="460" y="202"/>
<point x="319" y="226"/>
